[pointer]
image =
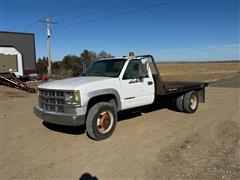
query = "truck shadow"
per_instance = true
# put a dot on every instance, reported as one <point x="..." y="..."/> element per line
<point x="132" y="113"/>
<point x="74" y="130"/>
<point x="122" y="116"/>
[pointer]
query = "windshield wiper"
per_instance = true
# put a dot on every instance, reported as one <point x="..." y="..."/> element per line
<point x="94" y="74"/>
<point x="99" y="73"/>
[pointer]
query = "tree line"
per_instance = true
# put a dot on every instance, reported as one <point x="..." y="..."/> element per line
<point x="70" y="65"/>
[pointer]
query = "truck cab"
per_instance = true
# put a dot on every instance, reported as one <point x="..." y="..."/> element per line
<point x="107" y="87"/>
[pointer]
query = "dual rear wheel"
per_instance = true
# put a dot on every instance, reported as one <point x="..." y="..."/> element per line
<point x="188" y="102"/>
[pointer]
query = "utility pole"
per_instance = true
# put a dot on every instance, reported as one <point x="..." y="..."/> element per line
<point x="48" y="24"/>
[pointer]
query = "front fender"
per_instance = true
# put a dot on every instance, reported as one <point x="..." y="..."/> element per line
<point x="108" y="91"/>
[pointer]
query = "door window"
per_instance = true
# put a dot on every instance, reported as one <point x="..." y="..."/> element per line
<point x="136" y="69"/>
<point x="143" y="69"/>
<point x="133" y="70"/>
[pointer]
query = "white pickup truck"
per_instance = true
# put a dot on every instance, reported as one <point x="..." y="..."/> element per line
<point x="109" y="86"/>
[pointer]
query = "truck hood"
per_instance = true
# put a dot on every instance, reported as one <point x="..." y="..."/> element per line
<point x="72" y="83"/>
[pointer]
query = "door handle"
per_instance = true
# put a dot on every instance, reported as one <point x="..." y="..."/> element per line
<point x="150" y="82"/>
<point x="134" y="81"/>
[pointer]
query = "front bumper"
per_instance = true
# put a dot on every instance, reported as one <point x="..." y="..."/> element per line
<point x="60" y="118"/>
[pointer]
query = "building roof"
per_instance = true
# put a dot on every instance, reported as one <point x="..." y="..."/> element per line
<point x="17" y="33"/>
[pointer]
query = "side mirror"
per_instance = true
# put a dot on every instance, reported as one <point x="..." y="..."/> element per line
<point x="141" y="76"/>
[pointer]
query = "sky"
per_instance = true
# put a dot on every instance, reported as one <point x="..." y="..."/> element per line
<point x="170" y="30"/>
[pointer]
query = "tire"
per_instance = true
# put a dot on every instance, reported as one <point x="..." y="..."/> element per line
<point x="113" y="103"/>
<point x="101" y="121"/>
<point x="190" y="102"/>
<point x="179" y="103"/>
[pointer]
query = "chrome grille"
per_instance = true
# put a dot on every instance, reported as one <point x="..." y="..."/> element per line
<point x="51" y="100"/>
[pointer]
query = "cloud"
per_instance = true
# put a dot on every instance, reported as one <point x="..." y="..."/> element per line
<point x="211" y="52"/>
<point x="224" y="46"/>
<point x="231" y="48"/>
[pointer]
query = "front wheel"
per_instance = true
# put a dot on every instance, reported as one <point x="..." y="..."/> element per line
<point x="190" y="102"/>
<point x="101" y="121"/>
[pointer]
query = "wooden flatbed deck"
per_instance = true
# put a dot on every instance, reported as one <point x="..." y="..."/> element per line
<point x="175" y="87"/>
<point x="183" y="85"/>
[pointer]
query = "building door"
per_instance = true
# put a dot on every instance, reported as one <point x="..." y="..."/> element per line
<point x="8" y="63"/>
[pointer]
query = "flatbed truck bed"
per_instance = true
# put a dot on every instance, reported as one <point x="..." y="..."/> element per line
<point x="178" y="86"/>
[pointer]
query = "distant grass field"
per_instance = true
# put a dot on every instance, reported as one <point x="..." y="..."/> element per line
<point x="207" y="71"/>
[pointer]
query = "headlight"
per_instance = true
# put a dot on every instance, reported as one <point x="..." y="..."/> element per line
<point x="72" y="97"/>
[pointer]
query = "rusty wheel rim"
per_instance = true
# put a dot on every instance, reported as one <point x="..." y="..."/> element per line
<point x="193" y="102"/>
<point x="105" y="122"/>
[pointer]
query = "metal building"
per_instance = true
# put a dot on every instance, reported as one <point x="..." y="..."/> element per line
<point x="17" y="53"/>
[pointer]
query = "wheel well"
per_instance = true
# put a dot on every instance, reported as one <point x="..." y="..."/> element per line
<point x="201" y="95"/>
<point x="101" y="98"/>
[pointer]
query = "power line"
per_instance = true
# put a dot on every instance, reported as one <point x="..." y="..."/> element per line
<point x="115" y="15"/>
<point x="30" y="27"/>
<point x="92" y="12"/>
<point x="82" y="5"/>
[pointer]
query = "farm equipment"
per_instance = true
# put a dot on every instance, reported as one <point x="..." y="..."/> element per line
<point x="9" y="79"/>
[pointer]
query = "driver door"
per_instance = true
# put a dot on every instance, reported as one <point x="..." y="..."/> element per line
<point x="137" y="86"/>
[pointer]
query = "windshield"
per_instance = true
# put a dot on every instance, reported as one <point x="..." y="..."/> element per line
<point x="106" y="68"/>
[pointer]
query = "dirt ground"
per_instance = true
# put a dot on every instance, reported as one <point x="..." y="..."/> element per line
<point x="157" y="143"/>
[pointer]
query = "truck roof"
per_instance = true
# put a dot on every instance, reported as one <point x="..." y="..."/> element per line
<point x="120" y="57"/>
